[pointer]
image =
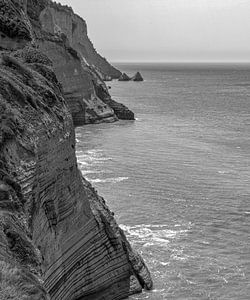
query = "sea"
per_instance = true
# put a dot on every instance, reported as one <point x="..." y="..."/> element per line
<point x="178" y="177"/>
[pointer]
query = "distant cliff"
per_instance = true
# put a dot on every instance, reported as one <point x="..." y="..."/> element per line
<point x="64" y="43"/>
<point x="56" y="18"/>
<point x="58" y="239"/>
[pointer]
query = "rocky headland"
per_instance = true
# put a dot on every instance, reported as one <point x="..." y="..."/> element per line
<point x="62" y="36"/>
<point x="58" y="238"/>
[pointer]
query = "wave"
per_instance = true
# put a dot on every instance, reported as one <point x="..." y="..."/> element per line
<point x="108" y="180"/>
<point x="92" y="156"/>
<point x="153" y="234"/>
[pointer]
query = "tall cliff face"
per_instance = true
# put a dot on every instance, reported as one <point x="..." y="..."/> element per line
<point x="56" y="18"/>
<point x="76" y="80"/>
<point x="71" y="67"/>
<point x="58" y="239"/>
<point x="86" y="107"/>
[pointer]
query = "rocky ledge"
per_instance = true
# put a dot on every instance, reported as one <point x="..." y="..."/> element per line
<point x="58" y="239"/>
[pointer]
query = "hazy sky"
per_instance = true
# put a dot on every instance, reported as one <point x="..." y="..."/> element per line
<point x="168" y="30"/>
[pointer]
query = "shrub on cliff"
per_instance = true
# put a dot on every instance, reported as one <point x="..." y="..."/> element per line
<point x="18" y="285"/>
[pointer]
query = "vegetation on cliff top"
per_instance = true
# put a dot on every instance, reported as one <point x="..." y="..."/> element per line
<point x="11" y="20"/>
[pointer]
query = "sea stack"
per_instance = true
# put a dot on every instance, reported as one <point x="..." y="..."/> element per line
<point x="137" y="77"/>
<point x="124" y="77"/>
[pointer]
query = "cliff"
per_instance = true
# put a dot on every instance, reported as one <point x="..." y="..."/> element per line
<point x="58" y="239"/>
<point x="56" y="18"/>
<point x="50" y="21"/>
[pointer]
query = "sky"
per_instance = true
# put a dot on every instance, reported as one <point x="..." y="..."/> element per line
<point x="168" y="30"/>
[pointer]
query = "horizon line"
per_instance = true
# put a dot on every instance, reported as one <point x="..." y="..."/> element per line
<point x="181" y="62"/>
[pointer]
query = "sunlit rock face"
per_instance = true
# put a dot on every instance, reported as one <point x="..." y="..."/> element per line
<point x="56" y="18"/>
<point x="58" y="239"/>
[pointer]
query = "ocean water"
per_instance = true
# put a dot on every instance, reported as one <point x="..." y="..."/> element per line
<point x="178" y="178"/>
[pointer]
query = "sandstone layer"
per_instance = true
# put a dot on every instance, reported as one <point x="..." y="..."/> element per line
<point x="58" y="239"/>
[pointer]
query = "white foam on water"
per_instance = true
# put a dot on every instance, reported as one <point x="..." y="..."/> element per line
<point x="85" y="172"/>
<point x="152" y="234"/>
<point x="164" y="263"/>
<point x="222" y="172"/>
<point x="108" y="180"/>
<point x="83" y="163"/>
<point x="91" y="157"/>
<point x="158" y="290"/>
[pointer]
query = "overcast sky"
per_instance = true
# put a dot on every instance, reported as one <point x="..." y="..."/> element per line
<point x="168" y="30"/>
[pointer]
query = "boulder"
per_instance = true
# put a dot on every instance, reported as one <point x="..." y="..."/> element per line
<point x="137" y="77"/>
<point x="124" y="77"/>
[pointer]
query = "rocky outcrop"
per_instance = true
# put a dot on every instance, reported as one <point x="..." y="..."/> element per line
<point x="124" y="77"/>
<point x="137" y="77"/>
<point x="101" y="90"/>
<point x="56" y="18"/>
<point x="58" y="239"/>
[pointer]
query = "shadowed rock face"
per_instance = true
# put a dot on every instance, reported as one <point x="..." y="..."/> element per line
<point x="58" y="239"/>
<point x="47" y="226"/>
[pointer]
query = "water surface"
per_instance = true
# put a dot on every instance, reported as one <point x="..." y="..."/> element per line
<point x="178" y="177"/>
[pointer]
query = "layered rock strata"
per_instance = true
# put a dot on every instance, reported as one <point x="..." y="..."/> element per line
<point x="77" y="82"/>
<point x="64" y="43"/>
<point x="58" y="239"/>
<point x="76" y="79"/>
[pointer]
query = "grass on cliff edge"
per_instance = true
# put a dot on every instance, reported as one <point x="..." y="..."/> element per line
<point x="11" y="283"/>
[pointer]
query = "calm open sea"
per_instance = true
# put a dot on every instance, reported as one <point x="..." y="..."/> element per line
<point x="178" y="178"/>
